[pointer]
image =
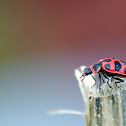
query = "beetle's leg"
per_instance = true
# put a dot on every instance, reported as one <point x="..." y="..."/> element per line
<point x="101" y="81"/>
<point x="100" y="78"/>
<point x="107" y="79"/>
<point x="119" y="81"/>
<point x="94" y="80"/>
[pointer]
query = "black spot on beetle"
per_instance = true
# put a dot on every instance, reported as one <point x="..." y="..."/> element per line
<point x="88" y="71"/>
<point x="117" y="66"/>
<point x="125" y="70"/>
<point x="106" y="60"/>
<point x="107" y="66"/>
<point x="96" y="66"/>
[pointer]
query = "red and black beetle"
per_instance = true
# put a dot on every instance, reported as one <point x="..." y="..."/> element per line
<point x="107" y="67"/>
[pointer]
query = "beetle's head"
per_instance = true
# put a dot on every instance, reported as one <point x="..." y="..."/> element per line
<point x="87" y="71"/>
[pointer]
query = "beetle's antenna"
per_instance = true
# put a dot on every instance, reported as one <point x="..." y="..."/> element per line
<point x="83" y="75"/>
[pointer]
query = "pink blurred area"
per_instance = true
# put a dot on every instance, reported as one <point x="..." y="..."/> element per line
<point x="64" y="28"/>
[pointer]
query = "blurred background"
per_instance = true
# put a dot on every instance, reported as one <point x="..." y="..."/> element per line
<point x="41" y="43"/>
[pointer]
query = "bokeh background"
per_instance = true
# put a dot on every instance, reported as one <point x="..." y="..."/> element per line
<point x="41" y="43"/>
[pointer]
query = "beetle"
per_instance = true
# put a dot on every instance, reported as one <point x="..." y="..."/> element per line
<point x="107" y="67"/>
